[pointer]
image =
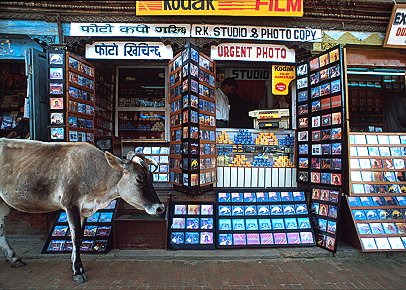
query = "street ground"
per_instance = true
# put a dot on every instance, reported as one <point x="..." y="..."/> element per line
<point x="292" y="268"/>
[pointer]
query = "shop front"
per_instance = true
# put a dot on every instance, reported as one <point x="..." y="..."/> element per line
<point x="281" y="174"/>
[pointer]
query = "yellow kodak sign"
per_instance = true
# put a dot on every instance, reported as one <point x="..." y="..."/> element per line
<point x="291" y="8"/>
<point x="282" y="75"/>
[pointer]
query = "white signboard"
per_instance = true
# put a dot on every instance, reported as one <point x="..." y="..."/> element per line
<point x="128" y="29"/>
<point x="396" y="33"/>
<point x="252" y="52"/>
<point x="128" y="50"/>
<point x="257" y="33"/>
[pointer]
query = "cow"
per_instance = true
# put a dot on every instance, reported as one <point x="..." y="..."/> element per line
<point x="41" y="177"/>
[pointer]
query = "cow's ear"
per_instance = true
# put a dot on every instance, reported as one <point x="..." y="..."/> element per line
<point x="152" y="162"/>
<point x="114" y="161"/>
<point x="130" y="155"/>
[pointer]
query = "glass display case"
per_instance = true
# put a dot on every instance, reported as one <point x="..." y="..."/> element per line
<point x="140" y="103"/>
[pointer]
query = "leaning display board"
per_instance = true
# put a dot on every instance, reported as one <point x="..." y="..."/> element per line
<point x="263" y="219"/>
<point x="191" y="226"/>
<point x="378" y="190"/>
<point x="71" y="89"/>
<point x="97" y="233"/>
<point x="320" y="113"/>
<point x="160" y="154"/>
<point x="192" y="121"/>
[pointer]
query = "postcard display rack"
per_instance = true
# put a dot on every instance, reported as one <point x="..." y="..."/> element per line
<point x="263" y="219"/>
<point x="378" y="190"/>
<point x="71" y="97"/>
<point x="192" y="121"/>
<point x="191" y="226"/>
<point x="255" y="158"/>
<point x="160" y="154"/>
<point x="321" y="154"/>
<point x="97" y="233"/>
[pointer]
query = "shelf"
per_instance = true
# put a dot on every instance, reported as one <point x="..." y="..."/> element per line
<point x="77" y="114"/>
<point x="80" y="87"/>
<point x="141" y="109"/>
<point x="71" y="69"/>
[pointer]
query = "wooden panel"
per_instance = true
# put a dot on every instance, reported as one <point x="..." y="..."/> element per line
<point x="384" y="57"/>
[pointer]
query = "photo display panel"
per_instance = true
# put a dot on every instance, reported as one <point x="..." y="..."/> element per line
<point x="98" y="234"/>
<point x="263" y="219"/>
<point x="321" y="131"/>
<point x="192" y="121"/>
<point x="160" y="154"/>
<point x="71" y="90"/>
<point x="324" y="208"/>
<point x="191" y="226"/>
<point x="378" y="190"/>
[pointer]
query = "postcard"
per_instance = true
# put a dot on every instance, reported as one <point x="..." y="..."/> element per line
<point x="224" y="239"/>
<point x="191" y="238"/>
<point x="314" y="64"/>
<point x="278" y="224"/>
<point x="303" y="223"/>
<point x="384" y="214"/>
<point x="364" y="229"/>
<point x="280" y="238"/>
<point x="293" y="238"/>
<point x="263" y="210"/>
<point x="206" y="238"/>
<point x="276" y="210"/>
<point x="206" y="209"/>
<point x="180" y="209"/>
<point x="323" y="60"/>
<point x="371" y="214"/>
<point x="354" y="201"/>
<point x="306" y="237"/>
<point x="322" y="224"/>
<point x="264" y="224"/>
<point x="251" y="224"/>
<point x="335" y="86"/>
<point x="314" y="207"/>
<point x="60" y="231"/>
<point x="239" y="240"/>
<point x="302" y="70"/>
<point x="103" y="231"/>
<point x="266" y="239"/>
<point x="224" y="210"/>
<point x="238" y="210"/>
<point x="323" y="75"/>
<point x="250" y="210"/>
<point x="253" y="239"/>
<point x="315" y="92"/>
<point x="396" y="243"/>
<point x="368" y="243"/>
<point x="237" y="197"/>
<point x="358" y="214"/>
<point x="261" y="197"/>
<point x="286" y="196"/>
<point x="274" y="196"/>
<point x="330" y="243"/>
<point x="314" y="78"/>
<point x="382" y="243"/>
<point x="238" y="224"/>
<point x="334" y="71"/>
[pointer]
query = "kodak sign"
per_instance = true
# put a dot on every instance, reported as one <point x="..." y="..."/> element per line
<point x="292" y="8"/>
<point x="282" y="75"/>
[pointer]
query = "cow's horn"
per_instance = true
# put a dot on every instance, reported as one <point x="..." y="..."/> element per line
<point x="139" y="161"/>
<point x="152" y="162"/>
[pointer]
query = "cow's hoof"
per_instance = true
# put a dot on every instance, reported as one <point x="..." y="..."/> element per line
<point x="79" y="278"/>
<point x="18" y="264"/>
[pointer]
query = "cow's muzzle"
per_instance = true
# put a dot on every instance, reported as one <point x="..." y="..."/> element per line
<point x="155" y="209"/>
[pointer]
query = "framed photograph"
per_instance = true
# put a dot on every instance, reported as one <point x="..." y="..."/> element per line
<point x="326" y="120"/>
<point x="336" y="118"/>
<point x="315" y="92"/>
<point x="303" y="109"/>
<point x="237" y="210"/>
<point x="316" y="149"/>
<point x="316" y="135"/>
<point x="253" y="239"/>
<point x="314" y="78"/>
<point x="274" y="196"/>
<point x="325" y="89"/>
<point x="177" y="238"/>
<point x="315" y="177"/>
<point x="57" y="118"/>
<point x="225" y="239"/>
<point x="239" y="240"/>
<point x="334" y="55"/>
<point x="57" y="133"/>
<point x="302" y="70"/>
<point x="303" y="176"/>
<point x="224" y="210"/>
<point x="261" y="197"/>
<point x="314" y="64"/>
<point x="180" y="209"/>
<point x="316" y="106"/>
<point x="56" y="73"/>
<point x="178" y="223"/>
<point x="266" y="239"/>
<point x="336" y="101"/>
<point x="303" y="136"/>
<point x="224" y="197"/>
<point x="335" y="86"/>
<point x="264" y="224"/>
<point x="193" y="209"/>
<point x="334" y="71"/>
<point x="302" y="83"/>
<point x="251" y="224"/>
<point x="316" y="122"/>
<point x="325" y="103"/>
<point x="323" y="60"/>
<point x="324" y="74"/>
<point x="56" y="103"/>
<point x="302" y="96"/>
<point x="56" y="88"/>
<point x="263" y="210"/>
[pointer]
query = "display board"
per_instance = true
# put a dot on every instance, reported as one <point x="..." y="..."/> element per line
<point x="321" y="128"/>
<point x="263" y="219"/>
<point x="378" y="190"/>
<point x="97" y="233"/>
<point x="71" y="88"/>
<point x="192" y="121"/>
<point x="191" y="226"/>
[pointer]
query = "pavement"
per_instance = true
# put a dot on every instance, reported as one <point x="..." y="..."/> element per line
<point x="292" y="268"/>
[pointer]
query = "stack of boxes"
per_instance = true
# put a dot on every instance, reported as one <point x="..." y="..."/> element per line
<point x="224" y="138"/>
<point x="266" y="138"/>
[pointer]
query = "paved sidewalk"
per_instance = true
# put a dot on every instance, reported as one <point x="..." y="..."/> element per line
<point x="293" y="268"/>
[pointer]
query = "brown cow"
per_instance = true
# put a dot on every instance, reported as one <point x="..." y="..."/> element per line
<point x="39" y="177"/>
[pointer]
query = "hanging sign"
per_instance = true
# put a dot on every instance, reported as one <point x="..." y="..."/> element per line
<point x="252" y="52"/>
<point x="396" y="32"/>
<point x="128" y="50"/>
<point x="128" y="29"/>
<point x="291" y="8"/>
<point x="257" y="33"/>
<point x="282" y="75"/>
<point x="248" y="73"/>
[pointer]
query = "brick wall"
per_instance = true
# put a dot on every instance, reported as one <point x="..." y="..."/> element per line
<point x="20" y="223"/>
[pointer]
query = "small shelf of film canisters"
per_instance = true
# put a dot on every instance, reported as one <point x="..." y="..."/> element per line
<point x="71" y="87"/>
<point x="263" y="219"/>
<point x="378" y="190"/>
<point x="97" y="233"/>
<point x="192" y="121"/>
<point x="320" y="150"/>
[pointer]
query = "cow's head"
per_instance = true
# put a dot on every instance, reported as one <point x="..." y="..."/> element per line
<point x="135" y="185"/>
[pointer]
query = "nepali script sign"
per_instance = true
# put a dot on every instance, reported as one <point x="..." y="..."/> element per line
<point x="128" y="50"/>
<point x="128" y="29"/>
<point x="290" y="8"/>
<point x="257" y="33"/>
<point x="252" y="52"/>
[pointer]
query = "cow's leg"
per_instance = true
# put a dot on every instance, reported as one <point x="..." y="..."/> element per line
<point x="76" y="231"/>
<point x="11" y="256"/>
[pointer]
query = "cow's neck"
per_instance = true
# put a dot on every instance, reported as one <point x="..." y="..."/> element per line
<point x="103" y="197"/>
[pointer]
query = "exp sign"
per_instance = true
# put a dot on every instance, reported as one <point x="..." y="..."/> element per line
<point x="291" y="8"/>
<point x="396" y="33"/>
<point x="252" y="52"/>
